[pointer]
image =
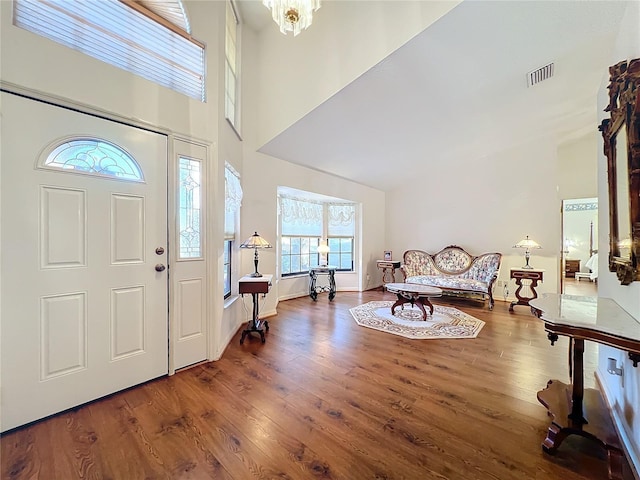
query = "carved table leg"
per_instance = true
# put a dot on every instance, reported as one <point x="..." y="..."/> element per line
<point x="312" y="285"/>
<point x="616" y="460"/>
<point x="525" y="292"/>
<point x="413" y="300"/>
<point x="420" y="305"/>
<point x="427" y="302"/>
<point x="255" y="324"/>
<point x="332" y="286"/>
<point x="558" y="399"/>
<point x="400" y="301"/>
<point x="555" y="436"/>
<point x="388" y="275"/>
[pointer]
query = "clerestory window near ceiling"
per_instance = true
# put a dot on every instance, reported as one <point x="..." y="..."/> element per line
<point x="91" y="156"/>
<point x="231" y="71"/>
<point x="124" y="34"/>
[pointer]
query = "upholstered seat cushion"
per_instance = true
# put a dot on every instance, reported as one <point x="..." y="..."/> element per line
<point x="453" y="270"/>
<point x="450" y="282"/>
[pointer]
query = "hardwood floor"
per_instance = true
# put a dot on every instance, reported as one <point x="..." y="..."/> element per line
<point x="325" y="398"/>
<point x="583" y="287"/>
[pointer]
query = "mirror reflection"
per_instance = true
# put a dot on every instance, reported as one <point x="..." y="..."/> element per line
<point x="622" y="193"/>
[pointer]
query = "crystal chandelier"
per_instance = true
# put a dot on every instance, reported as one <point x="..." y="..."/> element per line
<point x="292" y="15"/>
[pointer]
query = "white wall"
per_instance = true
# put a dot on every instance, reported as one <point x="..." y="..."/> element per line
<point x="624" y="400"/>
<point x="363" y="32"/>
<point x="578" y="166"/>
<point x="484" y="205"/>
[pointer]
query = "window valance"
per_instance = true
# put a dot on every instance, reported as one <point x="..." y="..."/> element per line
<point x="305" y="217"/>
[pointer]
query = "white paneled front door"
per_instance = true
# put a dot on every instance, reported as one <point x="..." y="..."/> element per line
<point x="84" y="312"/>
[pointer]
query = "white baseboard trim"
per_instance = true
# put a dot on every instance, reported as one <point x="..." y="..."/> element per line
<point x="306" y="294"/>
<point x="292" y="296"/>
<point x="632" y="454"/>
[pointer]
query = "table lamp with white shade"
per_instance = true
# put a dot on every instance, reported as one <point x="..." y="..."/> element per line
<point x="323" y="250"/>
<point x="255" y="241"/>
<point x="528" y="245"/>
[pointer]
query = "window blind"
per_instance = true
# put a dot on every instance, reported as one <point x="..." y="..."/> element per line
<point x="300" y="217"/>
<point x="114" y="33"/>
<point x="342" y="220"/>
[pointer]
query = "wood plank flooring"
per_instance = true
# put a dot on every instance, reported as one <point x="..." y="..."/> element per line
<point x="584" y="287"/>
<point x="326" y="398"/>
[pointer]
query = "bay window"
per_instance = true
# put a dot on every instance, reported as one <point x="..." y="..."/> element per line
<point x="306" y="224"/>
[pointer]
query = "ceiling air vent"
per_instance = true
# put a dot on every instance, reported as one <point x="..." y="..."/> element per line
<point x="539" y="75"/>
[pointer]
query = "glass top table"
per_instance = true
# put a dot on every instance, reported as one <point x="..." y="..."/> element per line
<point x="599" y="319"/>
<point x="574" y="409"/>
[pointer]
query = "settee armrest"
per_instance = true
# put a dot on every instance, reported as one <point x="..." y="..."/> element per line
<point x="486" y="267"/>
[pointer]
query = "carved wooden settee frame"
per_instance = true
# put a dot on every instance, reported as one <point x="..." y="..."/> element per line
<point x="454" y="270"/>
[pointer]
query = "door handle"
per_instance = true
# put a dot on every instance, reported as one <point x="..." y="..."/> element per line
<point x="160" y="267"/>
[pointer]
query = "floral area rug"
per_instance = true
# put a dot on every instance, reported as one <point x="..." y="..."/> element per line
<point x="446" y="322"/>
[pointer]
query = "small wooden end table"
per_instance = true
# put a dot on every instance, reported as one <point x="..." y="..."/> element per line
<point x="415" y="294"/>
<point x="388" y="268"/>
<point x="527" y="281"/>
<point x="255" y="286"/>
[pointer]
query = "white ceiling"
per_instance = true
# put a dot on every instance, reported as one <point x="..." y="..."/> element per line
<point x="459" y="90"/>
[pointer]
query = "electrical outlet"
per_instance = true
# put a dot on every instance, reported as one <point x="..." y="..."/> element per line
<point x="368" y="277"/>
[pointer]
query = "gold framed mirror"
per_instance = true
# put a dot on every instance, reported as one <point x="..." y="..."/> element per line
<point x="621" y="134"/>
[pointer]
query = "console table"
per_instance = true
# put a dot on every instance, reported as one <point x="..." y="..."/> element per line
<point x="388" y="268"/>
<point x="527" y="281"/>
<point x="576" y="411"/>
<point x="255" y="286"/>
<point x="330" y="286"/>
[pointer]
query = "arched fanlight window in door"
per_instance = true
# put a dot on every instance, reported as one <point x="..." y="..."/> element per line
<point x="91" y="156"/>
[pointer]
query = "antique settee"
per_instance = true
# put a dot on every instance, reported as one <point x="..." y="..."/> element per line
<point x="453" y="270"/>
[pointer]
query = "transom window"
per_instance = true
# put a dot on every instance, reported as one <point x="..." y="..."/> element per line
<point x="92" y="156"/>
<point x="123" y="35"/>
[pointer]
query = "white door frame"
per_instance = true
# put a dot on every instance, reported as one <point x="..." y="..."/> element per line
<point x="211" y="176"/>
